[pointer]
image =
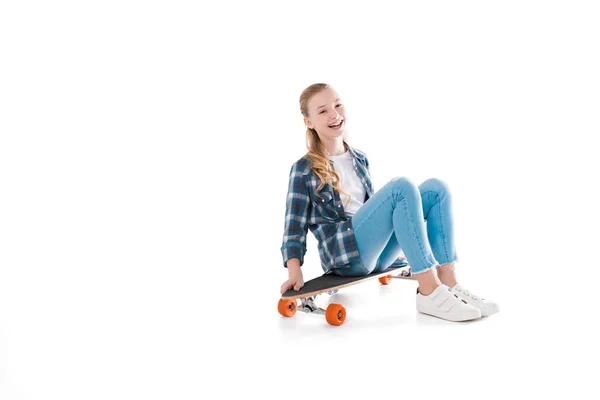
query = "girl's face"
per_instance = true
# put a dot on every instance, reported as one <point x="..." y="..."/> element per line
<point x="326" y="115"/>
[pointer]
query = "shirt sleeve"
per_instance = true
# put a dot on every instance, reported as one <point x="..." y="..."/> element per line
<point x="296" y="218"/>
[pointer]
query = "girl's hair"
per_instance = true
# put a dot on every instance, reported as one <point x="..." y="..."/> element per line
<point x="316" y="151"/>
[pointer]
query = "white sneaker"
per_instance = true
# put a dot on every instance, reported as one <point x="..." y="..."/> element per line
<point x="442" y="303"/>
<point x="486" y="307"/>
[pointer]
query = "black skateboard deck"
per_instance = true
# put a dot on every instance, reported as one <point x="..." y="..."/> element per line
<point x="328" y="282"/>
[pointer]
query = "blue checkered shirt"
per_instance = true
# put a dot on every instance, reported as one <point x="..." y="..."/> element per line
<point x="323" y="214"/>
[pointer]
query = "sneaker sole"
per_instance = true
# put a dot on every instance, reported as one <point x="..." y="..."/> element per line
<point x="450" y="318"/>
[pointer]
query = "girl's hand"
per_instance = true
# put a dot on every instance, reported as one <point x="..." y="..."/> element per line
<point x="296" y="281"/>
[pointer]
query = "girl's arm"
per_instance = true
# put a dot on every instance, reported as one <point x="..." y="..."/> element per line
<point x="295" y="230"/>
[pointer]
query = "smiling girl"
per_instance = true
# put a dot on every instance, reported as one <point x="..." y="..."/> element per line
<point x="361" y="231"/>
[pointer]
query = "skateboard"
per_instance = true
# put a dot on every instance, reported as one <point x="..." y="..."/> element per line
<point x="335" y="314"/>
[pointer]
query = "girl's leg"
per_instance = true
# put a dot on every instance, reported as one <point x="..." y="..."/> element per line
<point x="397" y="209"/>
<point x="428" y="280"/>
<point x="390" y="253"/>
<point x="394" y="210"/>
<point x="437" y="210"/>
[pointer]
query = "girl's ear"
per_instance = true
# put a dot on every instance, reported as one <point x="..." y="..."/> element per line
<point x="308" y="123"/>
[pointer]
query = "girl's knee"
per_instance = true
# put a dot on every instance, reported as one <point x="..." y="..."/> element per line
<point x="435" y="184"/>
<point x="403" y="182"/>
<point x="404" y="186"/>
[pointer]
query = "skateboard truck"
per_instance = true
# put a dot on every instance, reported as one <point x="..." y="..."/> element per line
<point x="308" y="306"/>
<point x="405" y="273"/>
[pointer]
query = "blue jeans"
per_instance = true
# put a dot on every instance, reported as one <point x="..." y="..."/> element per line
<point x="403" y="217"/>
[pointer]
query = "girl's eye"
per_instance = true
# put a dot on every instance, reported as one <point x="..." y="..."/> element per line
<point x="337" y="105"/>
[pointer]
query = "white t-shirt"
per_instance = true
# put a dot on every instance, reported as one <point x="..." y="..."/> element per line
<point x="349" y="181"/>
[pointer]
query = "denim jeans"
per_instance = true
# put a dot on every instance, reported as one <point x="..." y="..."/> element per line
<point x="403" y="217"/>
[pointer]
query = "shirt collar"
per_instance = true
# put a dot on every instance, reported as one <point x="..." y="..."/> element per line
<point x="354" y="153"/>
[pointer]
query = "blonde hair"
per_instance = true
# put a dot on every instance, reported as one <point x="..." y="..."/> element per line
<point x="321" y="165"/>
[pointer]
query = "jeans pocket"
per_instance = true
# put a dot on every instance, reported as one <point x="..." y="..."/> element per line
<point x="355" y="268"/>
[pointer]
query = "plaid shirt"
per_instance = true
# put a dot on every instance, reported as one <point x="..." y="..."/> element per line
<point x="323" y="214"/>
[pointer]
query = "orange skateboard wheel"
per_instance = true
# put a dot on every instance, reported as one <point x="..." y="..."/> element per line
<point x="287" y="308"/>
<point x="385" y="280"/>
<point x="335" y="314"/>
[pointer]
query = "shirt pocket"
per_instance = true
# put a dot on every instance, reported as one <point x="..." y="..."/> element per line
<point x="324" y="205"/>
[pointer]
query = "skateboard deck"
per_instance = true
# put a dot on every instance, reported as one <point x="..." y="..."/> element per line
<point x="328" y="282"/>
<point x="335" y="313"/>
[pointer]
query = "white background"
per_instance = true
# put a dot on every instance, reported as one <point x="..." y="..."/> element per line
<point x="144" y="156"/>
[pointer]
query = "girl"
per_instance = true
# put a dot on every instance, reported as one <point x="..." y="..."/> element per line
<point x="360" y="231"/>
